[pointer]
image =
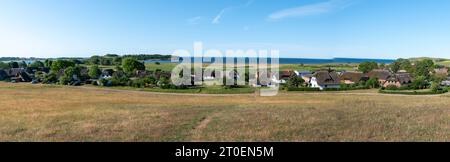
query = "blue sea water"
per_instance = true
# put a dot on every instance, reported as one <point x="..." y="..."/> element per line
<point x="306" y="61"/>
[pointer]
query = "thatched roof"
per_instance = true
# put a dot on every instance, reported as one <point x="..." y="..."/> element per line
<point x="380" y="74"/>
<point x="352" y="76"/>
<point x="403" y="78"/>
<point x="327" y="77"/>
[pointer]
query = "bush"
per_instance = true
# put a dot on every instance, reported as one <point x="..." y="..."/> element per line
<point x="64" y="80"/>
<point x="391" y="87"/>
<point x="94" y="72"/>
<point x="50" y="78"/>
<point x="302" y="89"/>
<point x="119" y="79"/>
<point x="130" y="65"/>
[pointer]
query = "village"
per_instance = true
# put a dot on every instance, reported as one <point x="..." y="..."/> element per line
<point x="404" y="76"/>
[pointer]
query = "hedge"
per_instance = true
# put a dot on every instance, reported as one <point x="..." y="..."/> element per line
<point x="326" y="89"/>
<point x="414" y="92"/>
<point x="302" y="89"/>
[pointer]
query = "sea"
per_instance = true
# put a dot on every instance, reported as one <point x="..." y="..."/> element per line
<point x="300" y="60"/>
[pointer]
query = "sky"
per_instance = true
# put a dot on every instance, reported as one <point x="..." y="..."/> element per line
<point x="386" y="29"/>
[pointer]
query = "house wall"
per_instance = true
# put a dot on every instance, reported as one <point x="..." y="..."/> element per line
<point x="389" y="83"/>
<point x="348" y="82"/>
<point x="314" y="84"/>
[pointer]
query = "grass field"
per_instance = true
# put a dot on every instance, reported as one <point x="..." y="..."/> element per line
<point x="57" y="113"/>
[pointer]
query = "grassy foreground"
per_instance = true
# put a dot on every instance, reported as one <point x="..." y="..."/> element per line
<point x="57" y="113"/>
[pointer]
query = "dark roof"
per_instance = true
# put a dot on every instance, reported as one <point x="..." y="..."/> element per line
<point x="327" y="77"/>
<point x="380" y="74"/>
<point x="287" y="74"/>
<point x="403" y="78"/>
<point x="15" y="71"/>
<point x="352" y="76"/>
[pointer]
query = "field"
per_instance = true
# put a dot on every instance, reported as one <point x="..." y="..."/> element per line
<point x="58" y="113"/>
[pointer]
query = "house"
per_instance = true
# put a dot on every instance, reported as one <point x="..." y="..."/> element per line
<point x="381" y="75"/>
<point x="264" y="78"/>
<point x="106" y="73"/>
<point x="398" y="80"/>
<point x="352" y="77"/>
<point x="325" y="79"/>
<point x="142" y="73"/>
<point x="441" y="71"/>
<point x="209" y="75"/>
<point x="446" y="82"/>
<point x="286" y="74"/>
<point x="19" y="75"/>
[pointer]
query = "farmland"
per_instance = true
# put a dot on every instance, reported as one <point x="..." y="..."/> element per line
<point x="61" y="113"/>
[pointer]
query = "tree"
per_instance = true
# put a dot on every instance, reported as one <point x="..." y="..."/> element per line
<point x="420" y="83"/>
<point x="61" y="64"/>
<point x="424" y="68"/>
<point x="94" y="60"/>
<point x="94" y="72"/>
<point x="3" y="65"/>
<point x="294" y="82"/>
<point x="435" y="87"/>
<point x="23" y="64"/>
<point x="37" y="64"/>
<point x="366" y="67"/>
<point x="372" y="83"/>
<point x="130" y="65"/>
<point x="48" y="63"/>
<point x="119" y="79"/>
<point x="382" y="66"/>
<point x="13" y="65"/>
<point x="50" y="78"/>
<point x="395" y="66"/>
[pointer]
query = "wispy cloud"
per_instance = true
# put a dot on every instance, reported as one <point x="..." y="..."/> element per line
<point x="194" y="20"/>
<point x="217" y="18"/>
<point x="311" y="9"/>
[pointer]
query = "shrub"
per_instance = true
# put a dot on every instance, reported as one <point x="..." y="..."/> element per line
<point x="94" y="72"/>
<point x="50" y="78"/>
<point x="302" y="89"/>
<point x="64" y="80"/>
<point x="392" y="87"/>
<point x="130" y="65"/>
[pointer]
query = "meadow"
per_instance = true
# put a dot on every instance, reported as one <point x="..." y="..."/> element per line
<point x="61" y="113"/>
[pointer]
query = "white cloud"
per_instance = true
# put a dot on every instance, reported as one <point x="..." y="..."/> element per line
<point x="194" y="20"/>
<point x="311" y="9"/>
<point x="216" y="19"/>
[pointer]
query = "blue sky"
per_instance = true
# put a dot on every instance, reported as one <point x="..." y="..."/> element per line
<point x="298" y="28"/>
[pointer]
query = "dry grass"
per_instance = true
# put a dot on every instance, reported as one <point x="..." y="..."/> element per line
<point x="55" y="113"/>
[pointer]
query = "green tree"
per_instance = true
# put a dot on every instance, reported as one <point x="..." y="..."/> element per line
<point x="372" y="83"/>
<point x="395" y="66"/>
<point x="424" y="68"/>
<point x="48" y="63"/>
<point x="13" y="65"/>
<point x="94" y="60"/>
<point x="94" y="72"/>
<point x="61" y="64"/>
<point x="420" y="83"/>
<point x="37" y="64"/>
<point x="130" y="65"/>
<point x="3" y="65"/>
<point x="366" y="67"/>
<point x="119" y="79"/>
<point x="50" y="78"/>
<point x="23" y="64"/>
<point x="294" y="82"/>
